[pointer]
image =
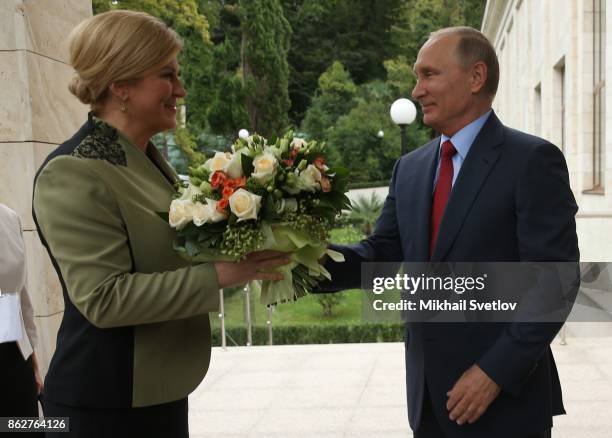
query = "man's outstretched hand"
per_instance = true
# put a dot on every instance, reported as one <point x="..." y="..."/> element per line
<point x="471" y="396"/>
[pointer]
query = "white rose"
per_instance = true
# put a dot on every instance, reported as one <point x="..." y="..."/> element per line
<point x="274" y="151"/>
<point x="288" y="204"/>
<point x="181" y="213"/>
<point x="218" y="162"/>
<point x="190" y="192"/>
<point x="309" y="178"/>
<point x="244" y="204"/>
<point x="298" y="143"/>
<point x="201" y="214"/>
<point x="264" y="167"/>
<point x="234" y="166"/>
<point x="213" y="215"/>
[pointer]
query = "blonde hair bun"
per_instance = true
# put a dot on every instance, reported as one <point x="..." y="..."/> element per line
<point x="117" y="46"/>
<point x="81" y="90"/>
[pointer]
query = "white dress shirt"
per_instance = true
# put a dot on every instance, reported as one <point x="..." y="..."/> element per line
<point x="13" y="276"/>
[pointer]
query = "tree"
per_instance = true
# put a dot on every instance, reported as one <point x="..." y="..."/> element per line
<point x="416" y="19"/>
<point x="354" y="136"/>
<point x="365" y="212"/>
<point x="264" y="71"/>
<point x="354" y="32"/>
<point x="333" y="98"/>
<point x="329" y="301"/>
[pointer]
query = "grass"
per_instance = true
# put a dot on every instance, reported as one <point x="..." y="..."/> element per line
<point x="306" y="310"/>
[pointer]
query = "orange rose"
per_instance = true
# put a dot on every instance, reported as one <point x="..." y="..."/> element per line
<point x="227" y="191"/>
<point x="319" y="163"/>
<point x="236" y="182"/>
<point x="241" y="182"/>
<point x="222" y="205"/>
<point x="218" y="179"/>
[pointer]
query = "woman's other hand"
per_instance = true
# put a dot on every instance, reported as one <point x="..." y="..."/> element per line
<point x="257" y="266"/>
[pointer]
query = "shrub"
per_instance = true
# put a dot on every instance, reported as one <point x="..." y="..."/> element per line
<point x="315" y="334"/>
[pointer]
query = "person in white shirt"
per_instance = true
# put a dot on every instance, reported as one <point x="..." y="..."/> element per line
<point x="20" y="378"/>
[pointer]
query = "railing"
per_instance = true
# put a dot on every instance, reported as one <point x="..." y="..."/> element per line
<point x="247" y="302"/>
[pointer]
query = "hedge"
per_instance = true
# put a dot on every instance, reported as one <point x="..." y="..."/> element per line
<point x="368" y="184"/>
<point x="315" y="334"/>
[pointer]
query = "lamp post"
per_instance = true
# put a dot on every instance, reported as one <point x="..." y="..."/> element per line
<point x="403" y="113"/>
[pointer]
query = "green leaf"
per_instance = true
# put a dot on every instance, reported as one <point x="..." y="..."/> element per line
<point x="268" y="212"/>
<point x="192" y="248"/>
<point x="247" y="164"/>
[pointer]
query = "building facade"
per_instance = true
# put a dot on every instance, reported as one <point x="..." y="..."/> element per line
<point x="37" y="112"/>
<point x="553" y="62"/>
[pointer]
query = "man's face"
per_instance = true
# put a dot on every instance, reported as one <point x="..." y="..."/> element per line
<point x="443" y="87"/>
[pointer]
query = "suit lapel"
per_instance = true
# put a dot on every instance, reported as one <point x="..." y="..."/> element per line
<point x="417" y="192"/>
<point x="480" y="160"/>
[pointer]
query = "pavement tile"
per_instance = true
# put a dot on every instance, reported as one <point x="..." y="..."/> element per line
<point x="387" y="395"/>
<point x="253" y="379"/>
<point x="236" y="399"/>
<point x="581" y="413"/>
<point x="221" y="422"/>
<point x="303" y="421"/>
<point x="357" y="390"/>
<point x="331" y="397"/>
<point x="327" y="378"/>
<point x="379" y="420"/>
<point x="580" y="372"/>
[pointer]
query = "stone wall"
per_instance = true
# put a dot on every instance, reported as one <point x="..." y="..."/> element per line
<point x="37" y="112"/>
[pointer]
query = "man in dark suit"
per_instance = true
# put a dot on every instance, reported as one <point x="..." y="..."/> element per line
<point x="480" y="192"/>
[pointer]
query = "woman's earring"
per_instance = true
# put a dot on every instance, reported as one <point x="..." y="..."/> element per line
<point x="123" y="107"/>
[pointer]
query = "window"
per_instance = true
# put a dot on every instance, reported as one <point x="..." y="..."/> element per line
<point x="537" y="111"/>
<point x="599" y="102"/>
<point x="559" y="103"/>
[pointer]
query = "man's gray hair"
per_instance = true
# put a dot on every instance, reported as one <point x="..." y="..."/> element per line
<point x="473" y="47"/>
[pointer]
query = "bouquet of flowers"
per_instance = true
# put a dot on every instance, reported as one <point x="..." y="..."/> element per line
<point x="279" y="196"/>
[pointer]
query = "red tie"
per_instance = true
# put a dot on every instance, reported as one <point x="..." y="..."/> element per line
<point x="442" y="191"/>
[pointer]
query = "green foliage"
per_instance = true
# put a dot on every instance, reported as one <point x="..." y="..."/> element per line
<point x="181" y="15"/>
<point x="316" y="334"/>
<point x="332" y="67"/>
<point x="365" y="212"/>
<point x="265" y="43"/>
<point x="328" y="302"/>
<point x="354" y="136"/>
<point x="333" y="98"/>
<point x="400" y="76"/>
<point x="187" y="144"/>
<point x="227" y="111"/>
<point x="346" y="235"/>
<point x="416" y="19"/>
<point x="354" y="32"/>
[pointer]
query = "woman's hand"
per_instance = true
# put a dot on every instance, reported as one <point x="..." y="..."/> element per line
<point x="257" y="266"/>
<point x="37" y="376"/>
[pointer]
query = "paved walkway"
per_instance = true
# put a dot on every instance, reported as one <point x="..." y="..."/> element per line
<point x="357" y="390"/>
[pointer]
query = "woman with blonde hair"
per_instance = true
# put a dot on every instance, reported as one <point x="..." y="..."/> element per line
<point x="135" y="335"/>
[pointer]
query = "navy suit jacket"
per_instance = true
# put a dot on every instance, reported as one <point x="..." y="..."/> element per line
<point x="510" y="202"/>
